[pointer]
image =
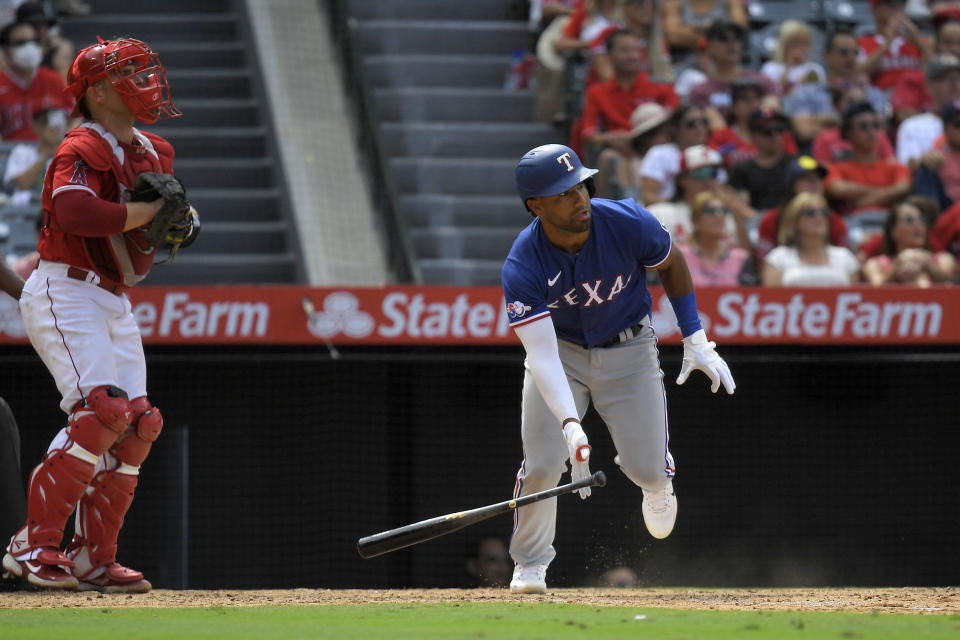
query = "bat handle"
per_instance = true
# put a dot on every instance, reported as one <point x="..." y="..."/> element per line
<point x="598" y="479"/>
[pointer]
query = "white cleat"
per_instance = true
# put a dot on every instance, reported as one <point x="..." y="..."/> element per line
<point x="529" y="579"/>
<point x="660" y="510"/>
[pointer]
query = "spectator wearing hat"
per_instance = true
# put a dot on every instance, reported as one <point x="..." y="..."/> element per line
<point x="804" y="175"/>
<point x="660" y="165"/>
<point x="724" y="53"/>
<point x="58" y="52"/>
<point x="804" y="256"/>
<point x="917" y="134"/>
<point x="896" y="47"/>
<point x="609" y="105"/>
<point x="761" y="177"/>
<point x="811" y="106"/>
<point x="619" y="174"/>
<point x="685" y="22"/>
<point x="712" y="259"/>
<point x="735" y="141"/>
<point x="829" y="146"/>
<point x="864" y="181"/>
<point x="24" y="84"/>
<point x="700" y="171"/>
<point x="939" y="180"/>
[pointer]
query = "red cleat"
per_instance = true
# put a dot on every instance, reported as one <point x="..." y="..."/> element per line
<point x="116" y="579"/>
<point x="46" y="571"/>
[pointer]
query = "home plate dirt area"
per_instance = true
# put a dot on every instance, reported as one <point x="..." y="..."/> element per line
<point x="941" y="600"/>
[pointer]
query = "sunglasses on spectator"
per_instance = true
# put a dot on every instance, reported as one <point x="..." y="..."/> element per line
<point x="813" y="213"/>
<point x="717" y="211"/>
<point x="729" y="36"/>
<point x="705" y="173"/>
<point x="693" y="123"/>
<point x="867" y="126"/>
<point x="770" y="131"/>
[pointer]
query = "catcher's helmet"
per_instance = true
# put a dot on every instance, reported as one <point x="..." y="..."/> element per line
<point x="550" y="169"/>
<point x="144" y="89"/>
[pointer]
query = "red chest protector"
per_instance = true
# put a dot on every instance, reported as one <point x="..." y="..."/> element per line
<point x="122" y="258"/>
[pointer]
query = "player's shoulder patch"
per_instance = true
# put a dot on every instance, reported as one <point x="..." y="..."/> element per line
<point x="516" y="310"/>
<point x="94" y="150"/>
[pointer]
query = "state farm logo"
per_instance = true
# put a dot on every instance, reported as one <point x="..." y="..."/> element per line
<point x="341" y="314"/>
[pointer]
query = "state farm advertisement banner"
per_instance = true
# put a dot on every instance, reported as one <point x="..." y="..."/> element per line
<point x="445" y="315"/>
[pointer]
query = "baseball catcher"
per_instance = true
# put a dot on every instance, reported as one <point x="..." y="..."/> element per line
<point x="109" y="201"/>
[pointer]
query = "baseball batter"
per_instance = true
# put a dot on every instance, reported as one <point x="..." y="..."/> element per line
<point x="96" y="243"/>
<point x="575" y="286"/>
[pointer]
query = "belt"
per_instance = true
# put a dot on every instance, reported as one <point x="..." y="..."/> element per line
<point x="626" y="335"/>
<point x="76" y="273"/>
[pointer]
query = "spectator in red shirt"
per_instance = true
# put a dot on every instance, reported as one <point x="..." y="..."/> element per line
<point x="805" y="175"/>
<point x="735" y="142"/>
<point x="896" y="47"/>
<point x="829" y="146"/>
<point x="725" y="53"/>
<point x="24" y="84"/>
<point x="865" y="182"/>
<point x="608" y="105"/>
<point x="643" y="19"/>
<point x="911" y="93"/>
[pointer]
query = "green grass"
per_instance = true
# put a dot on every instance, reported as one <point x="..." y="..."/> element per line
<point x="468" y="621"/>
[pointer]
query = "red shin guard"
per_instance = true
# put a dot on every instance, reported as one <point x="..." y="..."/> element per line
<point x="100" y="517"/>
<point x="55" y="486"/>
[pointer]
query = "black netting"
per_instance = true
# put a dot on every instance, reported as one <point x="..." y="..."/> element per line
<point x="826" y="467"/>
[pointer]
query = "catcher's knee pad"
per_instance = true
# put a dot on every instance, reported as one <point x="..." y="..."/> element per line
<point x="97" y="424"/>
<point x="134" y="445"/>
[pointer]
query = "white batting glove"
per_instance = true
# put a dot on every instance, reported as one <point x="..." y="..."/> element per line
<point x="579" y="451"/>
<point x="700" y="353"/>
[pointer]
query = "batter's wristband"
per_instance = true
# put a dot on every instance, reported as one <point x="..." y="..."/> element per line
<point x="687" y="318"/>
<point x="569" y="420"/>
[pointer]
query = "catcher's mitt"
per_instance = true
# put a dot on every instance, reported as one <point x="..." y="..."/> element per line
<point x="174" y="222"/>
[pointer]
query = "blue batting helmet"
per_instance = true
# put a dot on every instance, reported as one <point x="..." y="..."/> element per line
<point x="548" y="170"/>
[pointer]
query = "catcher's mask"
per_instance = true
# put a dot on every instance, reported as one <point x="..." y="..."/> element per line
<point x="135" y="72"/>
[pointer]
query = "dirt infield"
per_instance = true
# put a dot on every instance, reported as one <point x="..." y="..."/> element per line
<point x="910" y="600"/>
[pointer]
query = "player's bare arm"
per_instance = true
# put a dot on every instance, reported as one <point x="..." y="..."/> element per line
<point x="141" y="213"/>
<point x="10" y="282"/>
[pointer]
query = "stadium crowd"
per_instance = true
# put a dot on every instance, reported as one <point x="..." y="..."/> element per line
<point x="828" y="159"/>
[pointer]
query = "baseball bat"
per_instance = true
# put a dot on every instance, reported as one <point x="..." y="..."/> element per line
<point x="393" y="539"/>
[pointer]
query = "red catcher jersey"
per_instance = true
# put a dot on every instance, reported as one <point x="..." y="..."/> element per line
<point x="17" y="103"/>
<point x="93" y="160"/>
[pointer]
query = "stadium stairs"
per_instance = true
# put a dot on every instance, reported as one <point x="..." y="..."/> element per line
<point x="223" y="140"/>
<point x="452" y="133"/>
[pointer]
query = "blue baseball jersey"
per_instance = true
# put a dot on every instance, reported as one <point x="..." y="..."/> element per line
<point x="593" y="295"/>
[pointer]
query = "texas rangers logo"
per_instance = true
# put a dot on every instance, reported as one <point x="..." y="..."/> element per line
<point x="565" y="159"/>
<point x="517" y="309"/>
<point x="79" y="173"/>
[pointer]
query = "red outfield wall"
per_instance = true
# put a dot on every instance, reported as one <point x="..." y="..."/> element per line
<point x="445" y="315"/>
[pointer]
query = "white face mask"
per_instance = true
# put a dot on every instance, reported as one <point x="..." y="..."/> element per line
<point x="27" y="56"/>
